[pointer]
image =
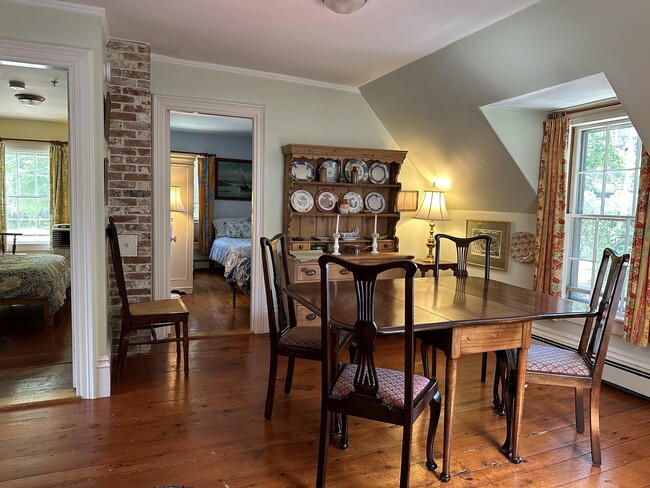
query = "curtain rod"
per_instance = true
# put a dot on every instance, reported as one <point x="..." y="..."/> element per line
<point x="588" y="108"/>
<point x="31" y="140"/>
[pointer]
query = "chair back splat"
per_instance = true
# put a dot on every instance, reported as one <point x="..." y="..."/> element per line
<point x="363" y="388"/>
<point x="146" y="314"/>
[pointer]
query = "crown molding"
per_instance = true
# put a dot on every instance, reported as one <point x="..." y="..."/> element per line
<point x="251" y="72"/>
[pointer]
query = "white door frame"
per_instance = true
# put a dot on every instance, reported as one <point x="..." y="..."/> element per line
<point x="90" y="373"/>
<point x="162" y="106"/>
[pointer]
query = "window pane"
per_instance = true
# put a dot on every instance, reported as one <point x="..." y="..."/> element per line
<point x="591" y="186"/>
<point x="612" y="233"/>
<point x="586" y="236"/>
<point x="593" y="150"/>
<point x="624" y="143"/>
<point x="619" y="193"/>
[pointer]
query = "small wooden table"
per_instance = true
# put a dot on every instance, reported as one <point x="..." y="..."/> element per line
<point x="424" y="265"/>
<point x="473" y="315"/>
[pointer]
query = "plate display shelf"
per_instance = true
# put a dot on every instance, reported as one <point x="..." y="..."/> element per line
<point x="302" y="228"/>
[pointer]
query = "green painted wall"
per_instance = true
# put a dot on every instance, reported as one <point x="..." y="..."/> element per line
<point x="33" y="129"/>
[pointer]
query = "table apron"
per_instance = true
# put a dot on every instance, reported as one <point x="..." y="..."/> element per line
<point x="470" y="339"/>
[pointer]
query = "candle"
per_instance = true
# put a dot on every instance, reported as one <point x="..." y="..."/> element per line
<point x="337" y="224"/>
<point x="375" y="231"/>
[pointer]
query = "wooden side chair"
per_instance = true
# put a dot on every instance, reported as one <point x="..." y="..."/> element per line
<point x="362" y="389"/>
<point x="4" y="241"/>
<point x="581" y="369"/>
<point x="430" y="339"/>
<point x="286" y="338"/>
<point x="146" y="315"/>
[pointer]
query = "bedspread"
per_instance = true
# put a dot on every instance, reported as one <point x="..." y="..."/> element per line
<point x="32" y="276"/>
<point x="235" y="256"/>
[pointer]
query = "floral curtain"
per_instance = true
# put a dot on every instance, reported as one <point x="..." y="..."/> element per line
<point x="551" y="207"/>
<point x="3" y="215"/>
<point x="59" y="187"/>
<point x="207" y="167"/>
<point x="637" y="311"/>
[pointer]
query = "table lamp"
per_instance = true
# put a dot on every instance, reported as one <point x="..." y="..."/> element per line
<point x="175" y="205"/>
<point x="432" y="209"/>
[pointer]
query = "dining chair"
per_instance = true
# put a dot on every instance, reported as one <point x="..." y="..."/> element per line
<point x="4" y="241"/>
<point x="431" y="339"/>
<point x="580" y="368"/>
<point x="286" y="337"/>
<point x="150" y="314"/>
<point x="362" y="389"/>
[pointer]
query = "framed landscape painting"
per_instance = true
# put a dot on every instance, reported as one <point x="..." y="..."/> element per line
<point x="499" y="249"/>
<point x="234" y="179"/>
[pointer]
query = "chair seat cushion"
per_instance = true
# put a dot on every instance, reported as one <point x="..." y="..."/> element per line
<point x="544" y="359"/>
<point x="307" y="337"/>
<point x="391" y="385"/>
<point x="158" y="307"/>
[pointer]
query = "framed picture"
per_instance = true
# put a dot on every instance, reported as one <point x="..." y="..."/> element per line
<point x="234" y="179"/>
<point x="500" y="232"/>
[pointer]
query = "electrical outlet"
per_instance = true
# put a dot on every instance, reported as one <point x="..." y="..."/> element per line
<point x="128" y="245"/>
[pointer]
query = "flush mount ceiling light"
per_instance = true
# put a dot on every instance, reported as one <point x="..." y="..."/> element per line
<point x="17" y="85"/>
<point x="344" y="6"/>
<point x="30" y="100"/>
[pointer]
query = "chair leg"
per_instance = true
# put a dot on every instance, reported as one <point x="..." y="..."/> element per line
<point x="407" y="435"/>
<point x="483" y="367"/>
<point x="270" y="388"/>
<point x="424" y="354"/>
<point x="580" y="410"/>
<point x="289" y="380"/>
<point x="177" y="329"/>
<point x="122" y="349"/>
<point x="186" y="345"/>
<point x="343" y="441"/>
<point x="594" y="425"/>
<point x="500" y="372"/>
<point x="434" y="418"/>
<point x="323" y="445"/>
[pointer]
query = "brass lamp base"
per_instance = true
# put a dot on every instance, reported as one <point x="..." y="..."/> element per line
<point x="431" y="244"/>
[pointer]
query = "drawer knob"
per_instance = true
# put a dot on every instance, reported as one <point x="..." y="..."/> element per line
<point x="301" y="246"/>
<point x="386" y="244"/>
<point x="344" y="271"/>
<point x="309" y="272"/>
<point x="310" y="316"/>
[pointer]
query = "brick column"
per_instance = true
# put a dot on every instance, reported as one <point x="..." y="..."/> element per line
<point x="129" y="168"/>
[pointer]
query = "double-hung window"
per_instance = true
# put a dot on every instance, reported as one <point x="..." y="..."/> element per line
<point x="603" y="187"/>
<point x="27" y="191"/>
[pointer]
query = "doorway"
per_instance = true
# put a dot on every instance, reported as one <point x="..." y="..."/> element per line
<point x="162" y="108"/>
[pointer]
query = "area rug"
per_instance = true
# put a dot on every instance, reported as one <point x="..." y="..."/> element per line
<point x="5" y="344"/>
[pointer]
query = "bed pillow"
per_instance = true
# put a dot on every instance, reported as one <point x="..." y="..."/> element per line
<point x="220" y="224"/>
<point x="238" y="229"/>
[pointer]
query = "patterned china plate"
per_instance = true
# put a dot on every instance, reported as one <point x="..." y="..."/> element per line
<point x="332" y="169"/>
<point x="301" y="170"/>
<point x="302" y="201"/>
<point x="375" y="202"/>
<point x="355" y="201"/>
<point x="360" y="165"/>
<point x="326" y="201"/>
<point x="378" y="173"/>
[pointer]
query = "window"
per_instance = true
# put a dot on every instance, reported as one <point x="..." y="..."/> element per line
<point x="604" y="179"/>
<point x="27" y="191"/>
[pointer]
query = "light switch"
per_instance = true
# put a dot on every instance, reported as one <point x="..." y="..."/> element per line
<point x="128" y="245"/>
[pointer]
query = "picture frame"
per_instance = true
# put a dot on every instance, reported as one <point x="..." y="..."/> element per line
<point x="234" y="179"/>
<point x="500" y="247"/>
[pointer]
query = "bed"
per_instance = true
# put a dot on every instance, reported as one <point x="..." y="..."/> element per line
<point x="35" y="279"/>
<point x="231" y="249"/>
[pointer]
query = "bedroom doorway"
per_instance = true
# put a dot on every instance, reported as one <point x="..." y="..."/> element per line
<point x="165" y="143"/>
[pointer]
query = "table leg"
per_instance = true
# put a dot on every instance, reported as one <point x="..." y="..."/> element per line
<point x="520" y="388"/>
<point x="450" y="393"/>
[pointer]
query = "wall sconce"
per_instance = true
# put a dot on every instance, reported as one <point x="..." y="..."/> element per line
<point x="407" y="201"/>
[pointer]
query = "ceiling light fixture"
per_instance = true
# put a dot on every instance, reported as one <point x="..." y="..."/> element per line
<point x="344" y="6"/>
<point x="17" y="85"/>
<point x="30" y="100"/>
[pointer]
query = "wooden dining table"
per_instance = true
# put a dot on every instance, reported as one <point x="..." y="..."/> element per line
<point x="473" y="315"/>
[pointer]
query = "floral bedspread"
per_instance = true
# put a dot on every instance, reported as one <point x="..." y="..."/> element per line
<point x="28" y="276"/>
<point x="235" y="256"/>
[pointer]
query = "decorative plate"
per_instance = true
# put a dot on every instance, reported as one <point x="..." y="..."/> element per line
<point x="322" y="238"/>
<point x="326" y="201"/>
<point x="302" y="170"/>
<point x="355" y="201"/>
<point x="360" y="165"/>
<point x="380" y="237"/>
<point x="332" y="169"/>
<point x="523" y="247"/>
<point x="378" y="173"/>
<point x="302" y="201"/>
<point x="375" y="203"/>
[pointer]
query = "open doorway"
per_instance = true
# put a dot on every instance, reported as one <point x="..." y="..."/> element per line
<point x="35" y="301"/>
<point x="211" y="172"/>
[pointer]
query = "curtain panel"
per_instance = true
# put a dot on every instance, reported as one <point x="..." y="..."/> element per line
<point x="59" y="184"/>
<point x="637" y="310"/>
<point x="207" y="182"/>
<point x="3" y="210"/>
<point x="551" y="207"/>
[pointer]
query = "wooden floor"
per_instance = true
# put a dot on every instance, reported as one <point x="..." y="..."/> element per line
<point x="159" y="428"/>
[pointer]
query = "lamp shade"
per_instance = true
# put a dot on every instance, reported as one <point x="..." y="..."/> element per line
<point x="407" y="201"/>
<point x="433" y="206"/>
<point x="175" y="202"/>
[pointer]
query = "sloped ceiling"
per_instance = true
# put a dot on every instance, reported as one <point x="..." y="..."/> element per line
<point x="431" y="107"/>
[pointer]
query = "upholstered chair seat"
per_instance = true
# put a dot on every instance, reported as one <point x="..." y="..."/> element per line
<point x="542" y="359"/>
